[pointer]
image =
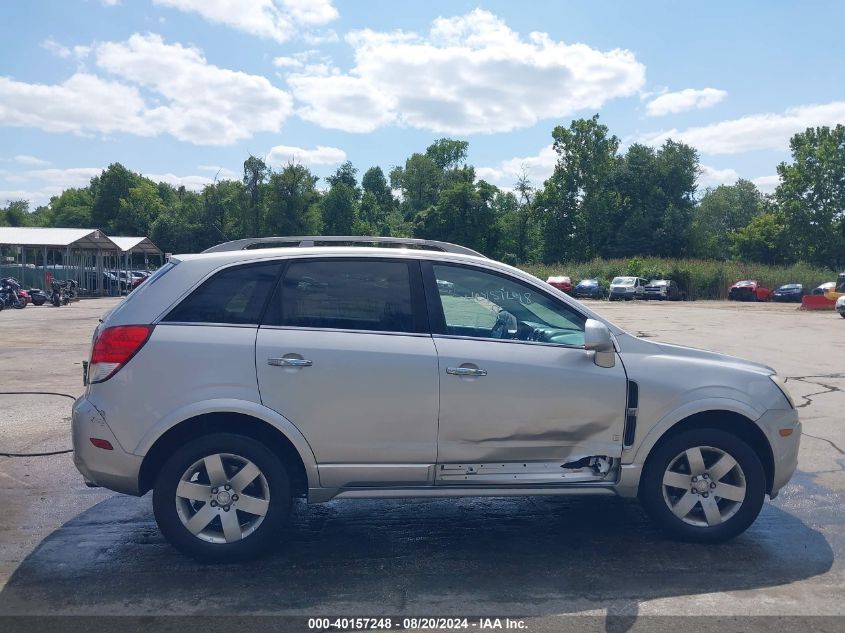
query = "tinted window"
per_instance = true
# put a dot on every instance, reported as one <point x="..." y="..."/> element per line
<point x="484" y="305"/>
<point x="346" y="295"/>
<point x="235" y="295"/>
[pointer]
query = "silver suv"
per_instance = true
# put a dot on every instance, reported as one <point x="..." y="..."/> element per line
<point x="234" y="380"/>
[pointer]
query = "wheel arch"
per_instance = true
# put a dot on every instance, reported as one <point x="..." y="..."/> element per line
<point x="730" y="422"/>
<point x="301" y="470"/>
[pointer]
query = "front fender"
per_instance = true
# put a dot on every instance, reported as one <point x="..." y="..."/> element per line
<point x="244" y="407"/>
<point x="638" y="453"/>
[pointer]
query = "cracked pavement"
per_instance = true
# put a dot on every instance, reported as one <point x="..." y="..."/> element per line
<point x="65" y="548"/>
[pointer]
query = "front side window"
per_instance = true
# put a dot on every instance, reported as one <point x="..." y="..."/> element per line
<point x="346" y="295"/>
<point x="233" y="296"/>
<point x="485" y="305"/>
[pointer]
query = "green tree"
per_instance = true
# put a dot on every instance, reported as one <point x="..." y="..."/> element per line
<point x="110" y="187"/>
<point x="255" y="174"/>
<point x="16" y="213"/>
<point x="293" y="202"/>
<point x="811" y="194"/>
<point x="338" y="207"/>
<point x="347" y="175"/>
<point x="721" y="212"/>
<point x="765" y="239"/>
<point x="138" y="209"/>
<point x="575" y="201"/>
<point x="447" y="153"/>
<point x="419" y="181"/>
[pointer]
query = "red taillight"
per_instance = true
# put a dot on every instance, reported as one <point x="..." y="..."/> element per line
<point x="114" y="347"/>
<point x="101" y="443"/>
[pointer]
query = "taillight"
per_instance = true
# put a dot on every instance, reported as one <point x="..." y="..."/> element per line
<point x="114" y="347"/>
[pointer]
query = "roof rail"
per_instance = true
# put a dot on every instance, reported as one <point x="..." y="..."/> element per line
<point x="340" y="240"/>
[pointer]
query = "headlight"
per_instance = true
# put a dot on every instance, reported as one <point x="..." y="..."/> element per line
<point x="780" y="383"/>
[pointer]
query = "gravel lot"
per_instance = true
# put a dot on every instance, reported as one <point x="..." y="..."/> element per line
<point x="65" y="548"/>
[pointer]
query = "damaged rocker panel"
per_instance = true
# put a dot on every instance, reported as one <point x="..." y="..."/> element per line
<point x="588" y="469"/>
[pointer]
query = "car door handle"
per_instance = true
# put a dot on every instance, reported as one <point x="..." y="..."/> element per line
<point x="466" y="371"/>
<point x="289" y="362"/>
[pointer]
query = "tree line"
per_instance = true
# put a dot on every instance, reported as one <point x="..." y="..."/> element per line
<point x="599" y="202"/>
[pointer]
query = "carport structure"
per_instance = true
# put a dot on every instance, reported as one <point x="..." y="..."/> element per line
<point x="33" y="255"/>
<point x="132" y="248"/>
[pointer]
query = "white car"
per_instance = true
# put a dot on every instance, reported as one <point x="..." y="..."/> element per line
<point x="231" y="381"/>
<point x="840" y="306"/>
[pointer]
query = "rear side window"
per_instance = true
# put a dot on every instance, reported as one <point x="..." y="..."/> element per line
<point x="233" y="296"/>
<point x="345" y="295"/>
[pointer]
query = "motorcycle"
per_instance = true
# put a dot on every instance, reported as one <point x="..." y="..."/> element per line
<point x="10" y="293"/>
<point x="38" y="296"/>
<point x="59" y="295"/>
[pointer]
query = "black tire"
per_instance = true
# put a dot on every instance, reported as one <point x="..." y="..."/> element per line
<point x="39" y="301"/>
<point x="263" y="539"/>
<point x="651" y="490"/>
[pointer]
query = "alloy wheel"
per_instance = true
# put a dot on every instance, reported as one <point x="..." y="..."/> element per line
<point x="704" y="486"/>
<point x="222" y="498"/>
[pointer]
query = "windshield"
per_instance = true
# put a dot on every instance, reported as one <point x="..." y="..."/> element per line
<point x="588" y="282"/>
<point x="659" y="282"/>
<point x="622" y="281"/>
<point x="791" y="287"/>
<point x="744" y="283"/>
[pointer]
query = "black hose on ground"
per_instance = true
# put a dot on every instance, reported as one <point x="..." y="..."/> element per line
<point x="37" y="393"/>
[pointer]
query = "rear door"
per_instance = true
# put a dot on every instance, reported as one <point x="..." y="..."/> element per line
<point x="520" y="397"/>
<point x="345" y="354"/>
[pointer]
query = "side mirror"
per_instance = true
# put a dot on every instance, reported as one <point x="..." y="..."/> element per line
<point x="597" y="339"/>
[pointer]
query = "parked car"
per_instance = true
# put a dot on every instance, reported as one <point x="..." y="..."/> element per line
<point x="789" y="292"/>
<point x="749" y="290"/>
<point x="663" y="290"/>
<point x="627" y="288"/>
<point x="338" y="372"/>
<point x="562" y="283"/>
<point x="823" y="288"/>
<point x="840" y="306"/>
<point x="588" y="289"/>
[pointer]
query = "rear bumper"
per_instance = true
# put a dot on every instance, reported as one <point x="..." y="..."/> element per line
<point x="114" y="469"/>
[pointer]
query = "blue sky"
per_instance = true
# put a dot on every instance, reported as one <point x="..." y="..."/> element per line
<point x="181" y="90"/>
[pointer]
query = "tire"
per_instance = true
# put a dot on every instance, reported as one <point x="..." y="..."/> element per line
<point x="734" y="516"/>
<point x="38" y="302"/>
<point x="251" y="534"/>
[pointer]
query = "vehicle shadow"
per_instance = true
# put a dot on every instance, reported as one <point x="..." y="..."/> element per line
<point x="526" y="556"/>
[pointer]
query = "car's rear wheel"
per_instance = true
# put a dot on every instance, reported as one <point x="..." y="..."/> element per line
<point x="703" y="485"/>
<point x="222" y="498"/>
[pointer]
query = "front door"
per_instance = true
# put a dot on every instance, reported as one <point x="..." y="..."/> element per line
<point x="345" y="355"/>
<point x="521" y="400"/>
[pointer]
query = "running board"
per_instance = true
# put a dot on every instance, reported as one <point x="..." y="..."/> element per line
<point x="584" y="470"/>
<point x="321" y="495"/>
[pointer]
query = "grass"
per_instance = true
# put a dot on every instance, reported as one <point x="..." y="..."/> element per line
<point x="701" y="279"/>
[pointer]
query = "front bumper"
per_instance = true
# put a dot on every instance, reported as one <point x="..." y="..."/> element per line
<point x="114" y="469"/>
<point x="784" y="449"/>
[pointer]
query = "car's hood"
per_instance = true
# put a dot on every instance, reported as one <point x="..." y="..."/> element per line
<point x="627" y="341"/>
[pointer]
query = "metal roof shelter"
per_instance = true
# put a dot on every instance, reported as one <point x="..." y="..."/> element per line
<point x="89" y="256"/>
<point x="136" y="245"/>
<point x="85" y="239"/>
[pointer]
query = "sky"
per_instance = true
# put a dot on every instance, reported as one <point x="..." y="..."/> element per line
<point x="183" y="91"/>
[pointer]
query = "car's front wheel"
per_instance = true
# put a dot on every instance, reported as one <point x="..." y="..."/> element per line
<point x="222" y="498"/>
<point x="703" y="485"/>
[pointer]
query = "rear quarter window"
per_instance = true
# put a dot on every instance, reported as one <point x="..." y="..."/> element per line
<point x="234" y="296"/>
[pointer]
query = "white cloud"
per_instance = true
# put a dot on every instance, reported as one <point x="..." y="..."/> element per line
<point x="683" y="100"/>
<point x="110" y="3"/>
<point x="469" y="74"/>
<point x="192" y="183"/>
<point x="221" y="173"/>
<point x="34" y="161"/>
<point x="192" y="100"/>
<point x="82" y="103"/>
<point x="279" y="20"/>
<point x="767" y="184"/>
<point x="767" y="131"/>
<point x="713" y="177"/>
<point x="320" y="155"/>
<point x="206" y="104"/>
<point x="538" y="168"/>
<point x="39" y="185"/>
